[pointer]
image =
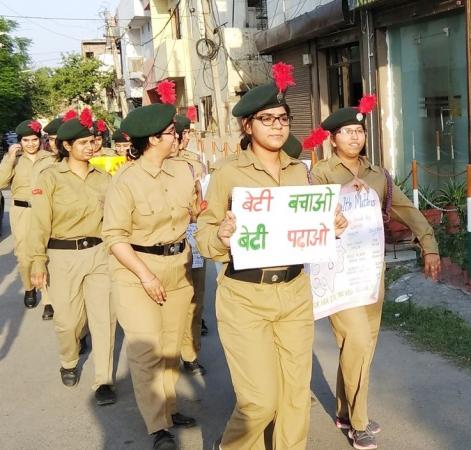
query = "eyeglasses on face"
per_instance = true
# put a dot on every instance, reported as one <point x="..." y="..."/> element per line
<point x="350" y="132"/>
<point x="269" y="119"/>
<point x="171" y="132"/>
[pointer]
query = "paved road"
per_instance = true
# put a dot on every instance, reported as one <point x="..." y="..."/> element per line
<point x="421" y="400"/>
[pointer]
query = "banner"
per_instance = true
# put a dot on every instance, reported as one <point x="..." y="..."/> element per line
<point x="198" y="260"/>
<point x="281" y="226"/>
<point x="353" y="277"/>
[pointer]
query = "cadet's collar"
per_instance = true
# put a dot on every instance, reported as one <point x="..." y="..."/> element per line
<point x="152" y="169"/>
<point x="248" y="157"/>
<point x="63" y="166"/>
<point x="335" y="160"/>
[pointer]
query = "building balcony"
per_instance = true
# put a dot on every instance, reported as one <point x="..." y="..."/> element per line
<point x="133" y="13"/>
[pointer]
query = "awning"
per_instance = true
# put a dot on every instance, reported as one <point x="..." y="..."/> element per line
<point x="321" y="20"/>
<point x="355" y="4"/>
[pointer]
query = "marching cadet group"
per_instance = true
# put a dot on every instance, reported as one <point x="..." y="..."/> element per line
<point x="102" y="249"/>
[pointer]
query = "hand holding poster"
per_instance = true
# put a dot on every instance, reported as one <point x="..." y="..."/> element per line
<point x="353" y="277"/>
<point x="285" y="225"/>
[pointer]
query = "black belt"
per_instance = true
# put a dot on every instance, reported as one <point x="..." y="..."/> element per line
<point x="77" y="244"/>
<point x="22" y="203"/>
<point x="163" y="250"/>
<point x="269" y="276"/>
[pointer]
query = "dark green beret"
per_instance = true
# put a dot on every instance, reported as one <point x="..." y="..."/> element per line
<point x="28" y="128"/>
<point x="257" y="99"/>
<point x="148" y="120"/>
<point x="118" y="136"/>
<point x="73" y="129"/>
<point x="292" y="147"/>
<point x="342" y="117"/>
<point x="182" y="123"/>
<point x="52" y="127"/>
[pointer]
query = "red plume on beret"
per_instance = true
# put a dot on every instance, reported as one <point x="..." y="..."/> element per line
<point x="35" y="126"/>
<point x="69" y="115"/>
<point x="367" y="104"/>
<point x="125" y="136"/>
<point x="166" y="91"/>
<point x="86" y="118"/>
<point x="316" y="138"/>
<point x="191" y="113"/>
<point x="283" y="76"/>
<point x="101" y="125"/>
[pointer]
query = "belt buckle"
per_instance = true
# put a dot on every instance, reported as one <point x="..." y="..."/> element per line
<point x="273" y="276"/>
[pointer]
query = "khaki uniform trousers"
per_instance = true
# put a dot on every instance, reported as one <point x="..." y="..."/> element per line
<point x="267" y="333"/>
<point x="20" y="219"/>
<point x="154" y="335"/>
<point x="356" y="332"/>
<point x="79" y="289"/>
<point x="191" y="343"/>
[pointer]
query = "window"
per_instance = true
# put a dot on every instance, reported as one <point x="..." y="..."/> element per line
<point x="89" y="55"/>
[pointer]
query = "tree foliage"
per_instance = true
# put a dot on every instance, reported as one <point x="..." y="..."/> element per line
<point x="15" y="98"/>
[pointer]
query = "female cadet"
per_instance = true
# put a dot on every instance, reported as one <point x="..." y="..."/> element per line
<point x="191" y="343"/>
<point x="20" y="168"/>
<point x="356" y="330"/>
<point x="51" y="130"/>
<point x="122" y="143"/>
<point x="265" y="318"/>
<point x="65" y="244"/>
<point x="101" y="132"/>
<point x="147" y="211"/>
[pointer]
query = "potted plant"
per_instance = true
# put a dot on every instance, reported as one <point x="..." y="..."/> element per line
<point x="433" y="215"/>
<point x="452" y="197"/>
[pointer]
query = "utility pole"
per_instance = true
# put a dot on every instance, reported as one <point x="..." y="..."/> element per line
<point x="110" y="27"/>
<point x="468" y="67"/>
<point x="219" y="106"/>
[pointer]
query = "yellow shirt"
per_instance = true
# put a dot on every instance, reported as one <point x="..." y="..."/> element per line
<point x="147" y="206"/>
<point x="65" y="206"/>
<point x="244" y="171"/>
<point x="22" y="173"/>
<point x="332" y="170"/>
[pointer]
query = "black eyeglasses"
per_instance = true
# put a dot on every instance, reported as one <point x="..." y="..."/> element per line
<point x="269" y="119"/>
<point x="172" y="132"/>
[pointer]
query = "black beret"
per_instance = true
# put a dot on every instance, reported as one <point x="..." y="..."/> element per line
<point x="148" y="120"/>
<point x="119" y="136"/>
<point x="73" y="129"/>
<point x="53" y="126"/>
<point x="28" y="128"/>
<point x="257" y="99"/>
<point x="342" y="117"/>
<point x="292" y="146"/>
<point x="182" y="123"/>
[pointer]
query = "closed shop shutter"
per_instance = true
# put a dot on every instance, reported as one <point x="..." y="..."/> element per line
<point x="299" y="96"/>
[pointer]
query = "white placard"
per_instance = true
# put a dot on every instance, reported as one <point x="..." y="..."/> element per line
<point x="286" y="225"/>
<point x="198" y="260"/>
<point x="352" y="278"/>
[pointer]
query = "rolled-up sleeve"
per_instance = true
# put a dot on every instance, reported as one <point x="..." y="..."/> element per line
<point x="207" y="240"/>
<point x="117" y="220"/>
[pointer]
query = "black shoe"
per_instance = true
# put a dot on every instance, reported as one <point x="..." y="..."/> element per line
<point x="179" y="420"/>
<point x="69" y="376"/>
<point x="30" y="299"/>
<point x="194" y="367"/>
<point x="83" y="346"/>
<point x="204" y="328"/>
<point x="105" y="395"/>
<point x="163" y="440"/>
<point x="48" y="312"/>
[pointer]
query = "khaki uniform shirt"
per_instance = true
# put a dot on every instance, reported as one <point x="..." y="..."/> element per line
<point x="195" y="161"/>
<point x="106" y="151"/>
<point x="244" y="171"/>
<point x="332" y="170"/>
<point x="66" y="207"/>
<point x="22" y="173"/>
<point x="148" y="206"/>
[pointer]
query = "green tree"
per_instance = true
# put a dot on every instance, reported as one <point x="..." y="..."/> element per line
<point x="44" y="102"/>
<point x="15" y="97"/>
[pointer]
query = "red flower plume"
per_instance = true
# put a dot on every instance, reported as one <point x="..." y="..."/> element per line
<point x="367" y="104"/>
<point x="86" y="118"/>
<point x="69" y="115"/>
<point x="316" y="138"/>
<point x="125" y="136"/>
<point x="100" y="125"/>
<point x="283" y="76"/>
<point x="35" y="126"/>
<point x="191" y="113"/>
<point x="166" y="90"/>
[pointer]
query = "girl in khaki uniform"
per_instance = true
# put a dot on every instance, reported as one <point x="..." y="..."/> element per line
<point x="20" y="171"/>
<point x="147" y="211"/>
<point x="356" y="330"/>
<point x="265" y="318"/>
<point x="65" y="241"/>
